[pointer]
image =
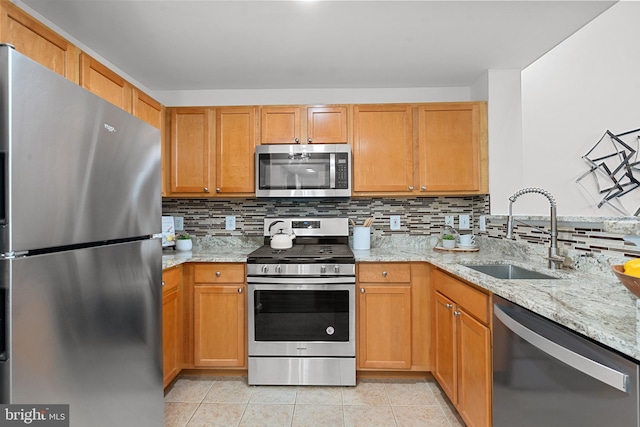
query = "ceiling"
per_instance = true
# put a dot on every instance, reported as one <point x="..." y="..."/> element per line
<point x="197" y="45"/>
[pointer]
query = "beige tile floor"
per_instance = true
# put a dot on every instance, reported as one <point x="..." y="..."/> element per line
<point x="217" y="401"/>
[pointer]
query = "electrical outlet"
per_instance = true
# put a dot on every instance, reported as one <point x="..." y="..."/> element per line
<point x="230" y="222"/>
<point x="395" y="222"/>
<point x="464" y="221"/>
<point x="178" y="222"/>
<point x="448" y="220"/>
<point x="483" y="223"/>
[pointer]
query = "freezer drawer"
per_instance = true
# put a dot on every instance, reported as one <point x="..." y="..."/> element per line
<point x="546" y="375"/>
<point x="84" y="330"/>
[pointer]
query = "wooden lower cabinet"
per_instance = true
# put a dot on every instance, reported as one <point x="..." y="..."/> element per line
<point x="219" y="316"/>
<point x="171" y="323"/>
<point x="462" y="347"/>
<point x="392" y="317"/>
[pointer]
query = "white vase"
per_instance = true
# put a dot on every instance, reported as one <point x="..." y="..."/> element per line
<point x="184" y="245"/>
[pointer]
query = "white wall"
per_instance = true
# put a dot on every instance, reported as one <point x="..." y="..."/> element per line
<point x="310" y="96"/>
<point x="587" y="84"/>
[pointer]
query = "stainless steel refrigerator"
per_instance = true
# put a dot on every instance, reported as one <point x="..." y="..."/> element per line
<point x="80" y="255"/>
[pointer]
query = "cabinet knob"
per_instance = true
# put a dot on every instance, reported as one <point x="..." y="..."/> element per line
<point x="297" y="140"/>
<point x="217" y="189"/>
<point x="218" y="274"/>
<point x="448" y="305"/>
<point x="163" y="283"/>
<point x="206" y="189"/>
<point x="423" y="188"/>
<point x="411" y="188"/>
<point x="309" y="140"/>
<point x="384" y="274"/>
<point x="362" y="290"/>
<point x="239" y="290"/>
<point x="456" y="313"/>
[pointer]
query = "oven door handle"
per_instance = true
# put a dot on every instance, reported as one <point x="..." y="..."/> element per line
<point x="301" y="280"/>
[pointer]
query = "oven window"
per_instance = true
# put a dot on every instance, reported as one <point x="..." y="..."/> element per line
<point x="301" y="315"/>
<point x="289" y="172"/>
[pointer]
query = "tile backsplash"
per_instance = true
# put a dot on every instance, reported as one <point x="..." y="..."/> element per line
<point x="418" y="216"/>
<point x="578" y="237"/>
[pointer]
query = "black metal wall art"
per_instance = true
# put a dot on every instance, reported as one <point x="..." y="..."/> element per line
<point x="614" y="165"/>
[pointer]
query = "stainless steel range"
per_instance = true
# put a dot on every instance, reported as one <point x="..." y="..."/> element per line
<point x="302" y="305"/>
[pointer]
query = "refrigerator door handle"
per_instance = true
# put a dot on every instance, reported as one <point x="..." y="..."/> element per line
<point x="600" y="372"/>
<point x="4" y="187"/>
<point x="4" y="312"/>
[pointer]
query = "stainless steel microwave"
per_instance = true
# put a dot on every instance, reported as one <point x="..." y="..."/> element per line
<point x="303" y="170"/>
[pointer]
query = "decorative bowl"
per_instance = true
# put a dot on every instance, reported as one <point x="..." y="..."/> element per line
<point x="630" y="282"/>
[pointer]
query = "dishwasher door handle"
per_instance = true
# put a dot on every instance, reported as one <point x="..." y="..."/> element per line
<point x="600" y="372"/>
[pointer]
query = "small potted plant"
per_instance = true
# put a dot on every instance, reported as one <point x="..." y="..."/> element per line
<point x="448" y="241"/>
<point x="184" y="243"/>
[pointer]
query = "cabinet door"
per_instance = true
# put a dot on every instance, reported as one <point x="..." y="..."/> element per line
<point x="382" y="149"/>
<point x="219" y="326"/>
<point x="190" y="150"/>
<point x="146" y="108"/>
<point x="235" y="142"/>
<point x="445" y="363"/>
<point x="449" y="141"/>
<point x="108" y="85"/>
<point x="170" y="334"/>
<point x="33" y="39"/>
<point x="384" y="327"/>
<point x="474" y="371"/>
<point x="327" y="125"/>
<point x="280" y="125"/>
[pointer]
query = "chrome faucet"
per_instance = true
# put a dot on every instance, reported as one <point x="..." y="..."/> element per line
<point x="555" y="260"/>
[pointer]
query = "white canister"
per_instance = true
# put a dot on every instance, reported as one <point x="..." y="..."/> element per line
<point x="361" y="237"/>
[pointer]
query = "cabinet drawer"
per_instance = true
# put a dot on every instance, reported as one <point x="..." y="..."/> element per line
<point x="472" y="300"/>
<point x="384" y="273"/>
<point x="219" y="273"/>
<point x="171" y="278"/>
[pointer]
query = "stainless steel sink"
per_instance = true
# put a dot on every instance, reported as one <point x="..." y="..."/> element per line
<point x="509" y="271"/>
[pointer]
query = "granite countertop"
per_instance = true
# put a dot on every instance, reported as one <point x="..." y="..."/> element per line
<point x="592" y="303"/>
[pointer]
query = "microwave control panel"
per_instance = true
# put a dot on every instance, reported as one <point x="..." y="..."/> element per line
<point x="342" y="170"/>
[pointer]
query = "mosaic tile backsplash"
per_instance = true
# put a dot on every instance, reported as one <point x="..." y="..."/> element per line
<point x="418" y="216"/>
<point x="582" y="240"/>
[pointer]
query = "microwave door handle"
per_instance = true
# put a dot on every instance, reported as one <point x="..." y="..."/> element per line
<point x="332" y="170"/>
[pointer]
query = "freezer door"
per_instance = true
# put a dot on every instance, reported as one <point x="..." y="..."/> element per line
<point x="75" y="168"/>
<point x="84" y="330"/>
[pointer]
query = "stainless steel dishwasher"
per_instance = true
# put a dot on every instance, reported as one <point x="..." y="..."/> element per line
<point x="546" y="375"/>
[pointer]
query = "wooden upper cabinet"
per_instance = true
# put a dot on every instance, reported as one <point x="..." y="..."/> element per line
<point x="146" y="108"/>
<point x="382" y="149"/>
<point x="302" y="125"/>
<point x="451" y="144"/>
<point x="190" y="150"/>
<point x="105" y="83"/>
<point x="35" y="40"/>
<point x="280" y="125"/>
<point x="235" y="147"/>
<point x="327" y="125"/>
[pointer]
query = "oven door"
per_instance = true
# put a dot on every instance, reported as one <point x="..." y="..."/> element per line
<point x="301" y="319"/>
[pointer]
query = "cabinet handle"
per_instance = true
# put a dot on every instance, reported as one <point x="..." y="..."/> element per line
<point x="239" y="290"/>
<point x="411" y="188"/>
<point x="362" y="290"/>
<point x="163" y="283"/>
<point x="218" y="274"/>
<point x="206" y="189"/>
<point x="456" y="313"/>
<point x="309" y="140"/>
<point x="423" y="188"/>
<point x="384" y="274"/>
<point x="297" y="141"/>
<point x="217" y="189"/>
<point x="448" y="305"/>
